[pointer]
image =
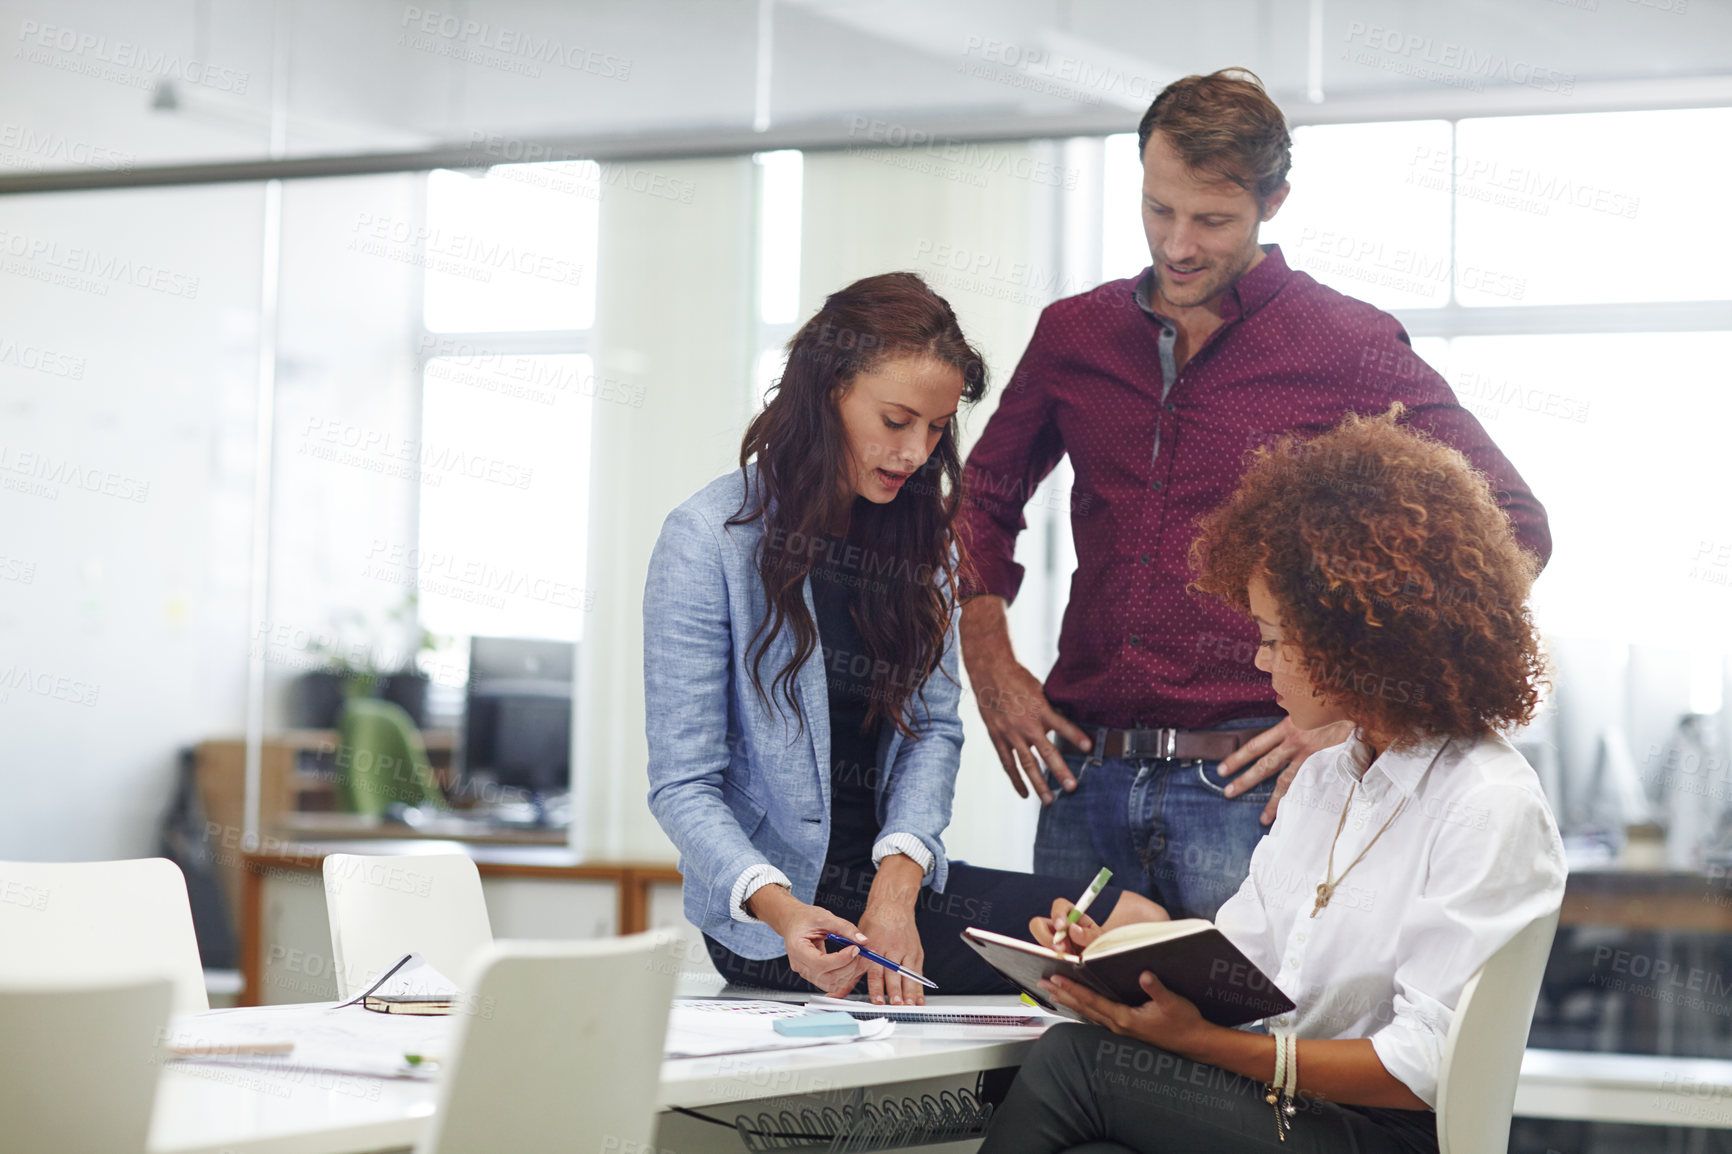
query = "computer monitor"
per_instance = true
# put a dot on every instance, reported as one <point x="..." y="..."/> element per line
<point x="517" y="720"/>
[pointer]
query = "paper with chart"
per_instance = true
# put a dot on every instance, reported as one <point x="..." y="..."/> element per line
<point x="704" y="1027"/>
<point x="961" y="1018"/>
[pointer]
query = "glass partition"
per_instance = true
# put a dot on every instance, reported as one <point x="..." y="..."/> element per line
<point x="484" y="389"/>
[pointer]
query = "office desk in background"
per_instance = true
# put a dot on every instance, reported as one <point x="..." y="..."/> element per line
<point x="297" y="804"/>
<point x="541" y="892"/>
<point x="1661" y="900"/>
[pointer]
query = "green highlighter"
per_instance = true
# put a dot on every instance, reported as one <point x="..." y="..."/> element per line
<point x="1082" y="904"/>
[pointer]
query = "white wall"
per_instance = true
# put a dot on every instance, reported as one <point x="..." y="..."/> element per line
<point x="125" y="489"/>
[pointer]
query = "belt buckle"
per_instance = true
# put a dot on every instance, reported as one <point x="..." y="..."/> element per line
<point x="1166" y="745"/>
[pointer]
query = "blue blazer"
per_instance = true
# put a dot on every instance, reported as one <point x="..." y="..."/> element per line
<point x="736" y="784"/>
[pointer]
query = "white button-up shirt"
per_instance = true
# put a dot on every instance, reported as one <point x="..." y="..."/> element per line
<point x="1473" y="858"/>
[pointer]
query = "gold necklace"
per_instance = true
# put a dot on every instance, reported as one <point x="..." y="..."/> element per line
<point x="1326" y="888"/>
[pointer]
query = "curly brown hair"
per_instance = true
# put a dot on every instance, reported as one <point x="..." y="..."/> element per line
<point x="1398" y="577"/>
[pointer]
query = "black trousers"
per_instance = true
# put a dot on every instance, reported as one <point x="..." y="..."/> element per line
<point x="987" y="899"/>
<point x="1084" y="1086"/>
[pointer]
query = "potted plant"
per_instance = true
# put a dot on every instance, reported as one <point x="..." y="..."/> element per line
<point x="353" y="667"/>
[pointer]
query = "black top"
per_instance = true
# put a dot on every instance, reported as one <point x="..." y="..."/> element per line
<point x="854" y="827"/>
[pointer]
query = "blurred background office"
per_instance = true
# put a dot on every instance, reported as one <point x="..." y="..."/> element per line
<point x="353" y="352"/>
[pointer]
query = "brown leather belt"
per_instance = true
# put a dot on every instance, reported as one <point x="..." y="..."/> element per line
<point x="1174" y="744"/>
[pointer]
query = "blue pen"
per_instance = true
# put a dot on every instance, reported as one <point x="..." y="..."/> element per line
<point x="881" y="960"/>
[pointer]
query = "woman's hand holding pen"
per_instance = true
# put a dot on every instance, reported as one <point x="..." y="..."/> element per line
<point x="1051" y="931"/>
<point x="803" y="928"/>
<point x="890" y="930"/>
<point x="1131" y="908"/>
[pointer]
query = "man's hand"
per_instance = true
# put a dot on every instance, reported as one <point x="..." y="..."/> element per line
<point x="1279" y="749"/>
<point x="889" y="925"/>
<point x="803" y="928"/>
<point x="1017" y="714"/>
<point x="1166" y="1019"/>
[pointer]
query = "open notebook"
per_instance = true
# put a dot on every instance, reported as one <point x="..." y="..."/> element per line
<point x="412" y="986"/>
<point x="1190" y="957"/>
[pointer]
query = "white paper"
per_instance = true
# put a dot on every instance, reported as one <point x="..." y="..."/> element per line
<point x="1009" y="1013"/>
<point x="327" y="1036"/>
<point x="412" y="977"/>
<point x="702" y="1027"/>
<point x="331" y="1037"/>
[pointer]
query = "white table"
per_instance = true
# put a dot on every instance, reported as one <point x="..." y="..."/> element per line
<point x="207" y="1109"/>
<point x="211" y="1109"/>
<point x="1646" y="1089"/>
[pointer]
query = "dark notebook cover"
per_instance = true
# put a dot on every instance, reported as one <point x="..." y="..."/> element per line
<point x="1203" y="967"/>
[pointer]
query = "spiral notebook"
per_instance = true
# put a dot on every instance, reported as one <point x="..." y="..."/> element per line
<point x="997" y="1012"/>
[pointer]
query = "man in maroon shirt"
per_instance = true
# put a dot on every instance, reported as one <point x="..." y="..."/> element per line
<point x="1171" y="756"/>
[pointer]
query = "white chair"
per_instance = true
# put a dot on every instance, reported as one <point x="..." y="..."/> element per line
<point x="382" y="907"/>
<point x="98" y="921"/>
<point x="79" y="1064"/>
<point x="559" y="1048"/>
<point x="1482" y="1057"/>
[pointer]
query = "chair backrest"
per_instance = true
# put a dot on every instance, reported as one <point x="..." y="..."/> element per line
<point x="558" y="1048"/>
<point x="381" y="758"/>
<point x="79" y="1064"/>
<point x="1482" y="1057"/>
<point x="99" y="920"/>
<point x="382" y="907"/>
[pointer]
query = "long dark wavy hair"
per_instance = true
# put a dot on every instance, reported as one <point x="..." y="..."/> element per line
<point x="911" y="554"/>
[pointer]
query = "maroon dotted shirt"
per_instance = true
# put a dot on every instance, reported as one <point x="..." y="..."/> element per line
<point x="1154" y="449"/>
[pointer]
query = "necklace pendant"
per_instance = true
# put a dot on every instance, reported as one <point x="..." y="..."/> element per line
<point x="1323" y="891"/>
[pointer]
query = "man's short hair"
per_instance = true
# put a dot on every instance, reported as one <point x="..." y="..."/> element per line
<point x="1225" y="126"/>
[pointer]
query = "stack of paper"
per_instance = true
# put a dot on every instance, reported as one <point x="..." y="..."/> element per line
<point x="319" y="1037"/>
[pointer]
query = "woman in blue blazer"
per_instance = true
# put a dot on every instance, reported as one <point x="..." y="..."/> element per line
<point x="800" y="669"/>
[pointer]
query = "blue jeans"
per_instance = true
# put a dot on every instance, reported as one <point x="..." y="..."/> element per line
<point x="1165" y="827"/>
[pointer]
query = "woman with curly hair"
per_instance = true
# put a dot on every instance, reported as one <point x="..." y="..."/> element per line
<point x="1389" y="591"/>
<point x="800" y="674"/>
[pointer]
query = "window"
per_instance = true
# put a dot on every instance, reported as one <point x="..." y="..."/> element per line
<point x="781" y="190"/>
<point x="779" y="195"/>
<point x="511" y="249"/>
<point x="1602" y="207"/>
<point x="507" y="388"/>
<point x="1369" y="211"/>
<point x="1623" y="430"/>
<point x="1124" y="248"/>
<point x="502" y="530"/>
<point x="1619" y="434"/>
